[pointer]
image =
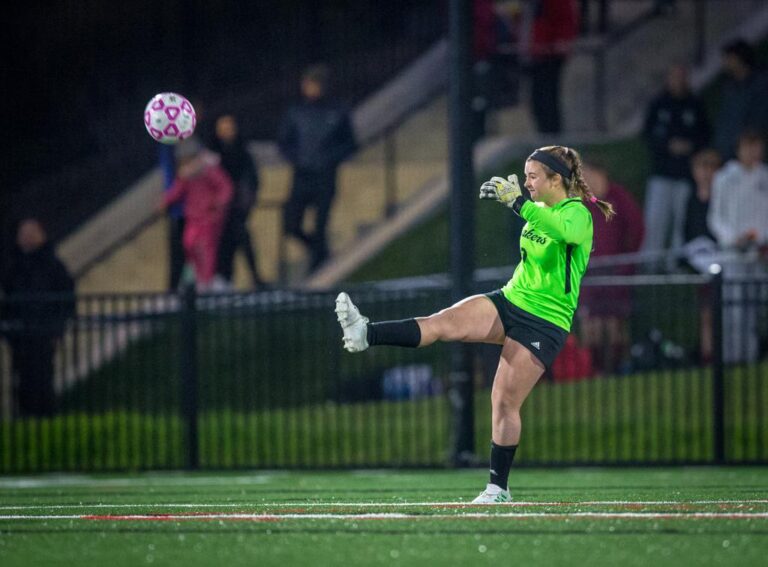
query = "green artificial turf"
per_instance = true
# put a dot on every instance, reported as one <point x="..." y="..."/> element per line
<point x="684" y="516"/>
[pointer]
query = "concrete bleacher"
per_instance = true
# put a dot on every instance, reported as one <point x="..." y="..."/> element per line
<point x="124" y="247"/>
<point x="141" y="264"/>
<point x="356" y="229"/>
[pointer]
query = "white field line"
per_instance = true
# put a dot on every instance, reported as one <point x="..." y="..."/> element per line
<point x="155" y="480"/>
<point x="624" y="503"/>
<point x="400" y="516"/>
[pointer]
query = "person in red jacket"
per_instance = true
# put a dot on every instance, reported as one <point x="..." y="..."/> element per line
<point x="549" y="28"/>
<point x="484" y="50"/>
<point x="604" y="310"/>
<point x="206" y="192"/>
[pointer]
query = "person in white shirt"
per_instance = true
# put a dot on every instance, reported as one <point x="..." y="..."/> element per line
<point x="738" y="219"/>
<point x="738" y="212"/>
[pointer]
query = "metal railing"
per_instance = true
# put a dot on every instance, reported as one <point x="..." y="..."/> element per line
<point x="218" y="61"/>
<point x="610" y="37"/>
<point x="658" y="369"/>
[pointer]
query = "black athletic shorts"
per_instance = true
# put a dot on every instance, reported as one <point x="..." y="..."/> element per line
<point x="542" y="338"/>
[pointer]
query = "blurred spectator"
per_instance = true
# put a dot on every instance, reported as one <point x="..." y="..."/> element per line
<point x="175" y="215"/>
<point x="698" y="237"/>
<point x="604" y="311"/>
<point x="738" y="214"/>
<point x="573" y="363"/>
<point x="484" y="44"/>
<point x="675" y="128"/>
<point x="35" y="322"/>
<point x="549" y="28"/>
<point x="737" y="217"/>
<point x="206" y="191"/>
<point x="743" y="100"/>
<point x="507" y="60"/>
<point x="239" y="164"/>
<point x="484" y="22"/>
<point x="704" y="165"/>
<point x="315" y="137"/>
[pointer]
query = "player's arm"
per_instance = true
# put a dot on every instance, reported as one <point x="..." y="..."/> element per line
<point x="570" y="224"/>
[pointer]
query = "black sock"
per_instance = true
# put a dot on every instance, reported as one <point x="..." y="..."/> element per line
<point x="397" y="333"/>
<point x="501" y="462"/>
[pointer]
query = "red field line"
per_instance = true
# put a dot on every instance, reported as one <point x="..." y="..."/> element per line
<point x="178" y="517"/>
<point x="497" y="515"/>
<point x="400" y="516"/>
<point x="300" y="506"/>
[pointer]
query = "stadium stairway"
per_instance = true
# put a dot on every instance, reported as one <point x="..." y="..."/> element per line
<point x="636" y="66"/>
<point x="123" y="248"/>
<point x="412" y="103"/>
<point x="627" y="99"/>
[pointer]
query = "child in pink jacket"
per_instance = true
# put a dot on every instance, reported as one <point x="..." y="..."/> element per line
<point x="206" y="192"/>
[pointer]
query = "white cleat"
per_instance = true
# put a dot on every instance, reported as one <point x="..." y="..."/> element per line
<point x="354" y="325"/>
<point x="493" y="495"/>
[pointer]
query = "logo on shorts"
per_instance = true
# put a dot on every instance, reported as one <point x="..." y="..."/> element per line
<point x="536" y="345"/>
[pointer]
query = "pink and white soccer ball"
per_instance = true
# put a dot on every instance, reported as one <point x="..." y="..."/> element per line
<point x="169" y="118"/>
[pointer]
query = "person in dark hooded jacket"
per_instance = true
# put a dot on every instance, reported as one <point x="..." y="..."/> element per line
<point x="239" y="164"/>
<point x="315" y="136"/>
<point x="39" y="299"/>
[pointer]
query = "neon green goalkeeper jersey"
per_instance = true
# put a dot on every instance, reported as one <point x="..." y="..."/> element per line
<point x="554" y="251"/>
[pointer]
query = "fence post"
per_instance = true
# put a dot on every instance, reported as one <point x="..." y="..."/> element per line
<point x="718" y="381"/>
<point x="602" y="26"/>
<point x="189" y="375"/>
<point x="601" y="120"/>
<point x="462" y="217"/>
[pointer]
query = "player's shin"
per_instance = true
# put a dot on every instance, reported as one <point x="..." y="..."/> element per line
<point x="501" y="461"/>
<point x="405" y="333"/>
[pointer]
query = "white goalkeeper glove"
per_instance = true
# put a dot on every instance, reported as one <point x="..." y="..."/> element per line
<point x="505" y="191"/>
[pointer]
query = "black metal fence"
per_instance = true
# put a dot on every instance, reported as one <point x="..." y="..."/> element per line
<point x="675" y="372"/>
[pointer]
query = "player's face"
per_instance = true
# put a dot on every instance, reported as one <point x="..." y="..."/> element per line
<point x="541" y="187"/>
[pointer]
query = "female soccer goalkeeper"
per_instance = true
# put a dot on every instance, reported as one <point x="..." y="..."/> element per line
<point x="530" y="316"/>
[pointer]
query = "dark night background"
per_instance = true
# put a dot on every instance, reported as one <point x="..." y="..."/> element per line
<point x="77" y="75"/>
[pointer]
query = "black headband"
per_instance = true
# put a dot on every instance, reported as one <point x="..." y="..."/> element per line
<point x="553" y="163"/>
